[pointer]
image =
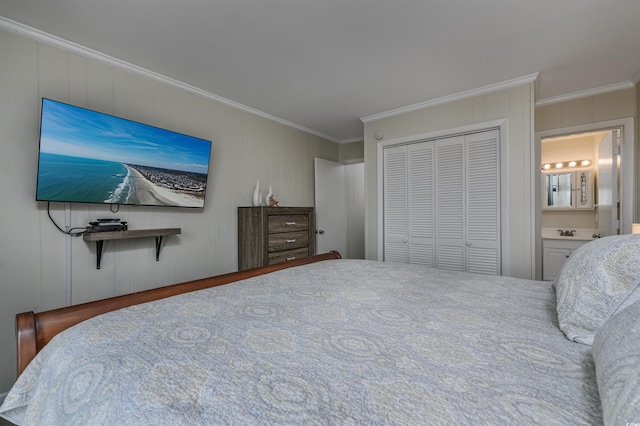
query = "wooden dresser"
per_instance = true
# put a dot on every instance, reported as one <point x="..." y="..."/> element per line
<point x="269" y="235"/>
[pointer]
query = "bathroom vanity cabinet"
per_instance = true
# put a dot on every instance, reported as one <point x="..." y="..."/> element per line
<point x="555" y="252"/>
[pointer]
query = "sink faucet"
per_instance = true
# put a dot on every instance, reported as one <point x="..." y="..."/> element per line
<point x="566" y="233"/>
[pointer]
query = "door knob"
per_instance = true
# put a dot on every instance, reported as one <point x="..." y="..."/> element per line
<point x="468" y="243"/>
<point x="319" y="231"/>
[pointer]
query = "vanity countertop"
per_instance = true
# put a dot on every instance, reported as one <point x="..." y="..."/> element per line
<point x="578" y="234"/>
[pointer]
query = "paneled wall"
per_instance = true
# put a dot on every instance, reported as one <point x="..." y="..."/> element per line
<point x="586" y="110"/>
<point x="636" y="210"/>
<point x="39" y="265"/>
<point x="516" y="106"/>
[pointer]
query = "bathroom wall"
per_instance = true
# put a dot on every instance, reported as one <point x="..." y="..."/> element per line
<point x="582" y="147"/>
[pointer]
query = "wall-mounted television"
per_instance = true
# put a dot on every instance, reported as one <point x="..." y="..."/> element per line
<point x="87" y="156"/>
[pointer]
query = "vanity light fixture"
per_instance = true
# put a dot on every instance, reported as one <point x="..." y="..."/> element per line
<point x="566" y="164"/>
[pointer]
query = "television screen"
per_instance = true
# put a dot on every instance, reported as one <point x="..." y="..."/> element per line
<point x="90" y="157"/>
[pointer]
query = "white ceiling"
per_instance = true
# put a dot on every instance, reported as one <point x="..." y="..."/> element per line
<point x="324" y="64"/>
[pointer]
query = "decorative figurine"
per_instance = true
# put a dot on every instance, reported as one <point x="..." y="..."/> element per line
<point x="257" y="195"/>
<point x="267" y="200"/>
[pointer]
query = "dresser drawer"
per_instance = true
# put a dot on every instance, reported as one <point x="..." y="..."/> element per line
<point x="284" y="256"/>
<point x="270" y="235"/>
<point x="287" y="223"/>
<point x="287" y="241"/>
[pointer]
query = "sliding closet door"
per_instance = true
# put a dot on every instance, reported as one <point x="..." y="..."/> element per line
<point x="482" y="240"/>
<point x="450" y="203"/>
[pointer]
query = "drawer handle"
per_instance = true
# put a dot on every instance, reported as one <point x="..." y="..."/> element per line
<point x="291" y="241"/>
<point x="289" y="223"/>
<point x="290" y="258"/>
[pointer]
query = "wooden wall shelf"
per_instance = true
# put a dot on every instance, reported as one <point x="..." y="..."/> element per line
<point x="101" y="237"/>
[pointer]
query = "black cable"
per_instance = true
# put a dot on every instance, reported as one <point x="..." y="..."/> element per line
<point x="69" y="232"/>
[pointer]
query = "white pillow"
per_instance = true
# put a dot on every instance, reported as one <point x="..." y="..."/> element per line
<point x="616" y="354"/>
<point x="595" y="282"/>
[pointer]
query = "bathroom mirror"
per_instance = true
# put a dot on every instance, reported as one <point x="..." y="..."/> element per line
<point x="567" y="190"/>
<point x="558" y="189"/>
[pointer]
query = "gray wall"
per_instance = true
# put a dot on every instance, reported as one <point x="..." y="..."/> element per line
<point x="38" y="263"/>
<point x="352" y="152"/>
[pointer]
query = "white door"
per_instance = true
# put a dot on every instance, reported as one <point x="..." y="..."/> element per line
<point x="395" y="204"/>
<point x="450" y="203"/>
<point x="421" y="212"/>
<point x="608" y="185"/>
<point x="330" y="206"/>
<point x="409" y="204"/>
<point x="354" y="175"/>
<point x="482" y="203"/>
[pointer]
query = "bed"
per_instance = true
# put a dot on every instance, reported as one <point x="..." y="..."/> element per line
<point x="327" y="340"/>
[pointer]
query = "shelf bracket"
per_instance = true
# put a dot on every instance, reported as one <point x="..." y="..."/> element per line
<point x="99" y="244"/>
<point x="158" y="244"/>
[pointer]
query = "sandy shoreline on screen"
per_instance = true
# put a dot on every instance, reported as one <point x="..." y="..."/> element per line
<point x="148" y="193"/>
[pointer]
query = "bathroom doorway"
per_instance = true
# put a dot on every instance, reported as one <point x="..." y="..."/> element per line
<point x="611" y="211"/>
<point x="580" y="187"/>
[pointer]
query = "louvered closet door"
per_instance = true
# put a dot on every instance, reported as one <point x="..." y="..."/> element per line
<point x="395" y="204"/>
<point x="450" y="203"/>
<point x="421" y="203"/>
<point x="442" y="203"/>
<point x="483" y="254"/>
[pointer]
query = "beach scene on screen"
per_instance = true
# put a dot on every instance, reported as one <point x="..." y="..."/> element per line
<point x="90" y="157"/>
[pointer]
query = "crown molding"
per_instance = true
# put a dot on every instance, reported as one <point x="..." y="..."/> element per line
<point x="585" y="93"/>
<point x="353" y="140"/>
<point x="507" y="84"/>
<point x="81" y="50"/>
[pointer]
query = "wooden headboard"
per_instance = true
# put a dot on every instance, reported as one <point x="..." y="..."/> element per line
<point x="34" y="331"/>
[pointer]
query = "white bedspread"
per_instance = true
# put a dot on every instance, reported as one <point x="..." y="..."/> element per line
<point x="336" y="342"/>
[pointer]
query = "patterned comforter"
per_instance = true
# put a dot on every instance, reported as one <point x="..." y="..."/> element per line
<point x="335" y="342"/>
